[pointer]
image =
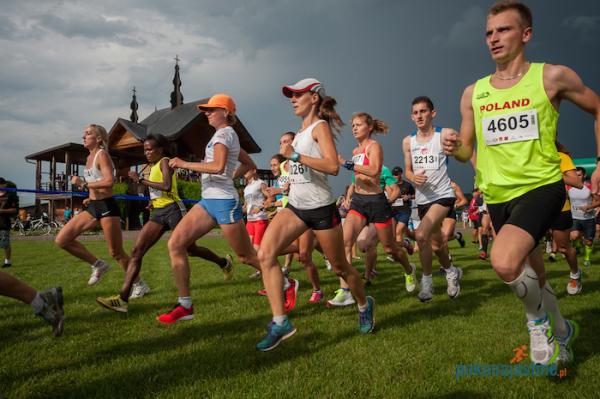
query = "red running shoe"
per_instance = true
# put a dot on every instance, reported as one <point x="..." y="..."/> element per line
<point x="483" y="255"/>
<point x="179" y="313"/>
<point x="262" y="292"/>
<point x="290" y="295"/>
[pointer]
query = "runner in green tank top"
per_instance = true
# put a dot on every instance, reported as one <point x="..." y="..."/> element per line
<point x="513" y="113"/>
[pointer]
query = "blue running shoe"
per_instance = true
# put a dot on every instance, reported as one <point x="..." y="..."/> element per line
<point x="366" y="319"/>
<point x="276" y="334"/>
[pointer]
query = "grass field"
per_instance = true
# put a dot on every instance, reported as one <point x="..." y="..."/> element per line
<point x="413" y="354"/>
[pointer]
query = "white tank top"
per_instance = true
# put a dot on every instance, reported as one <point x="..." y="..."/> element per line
<point x="254" y="200"/>
<point x="93" y="174"/>
<point x="429" y="157"/>
<point x="581" y="197"/>
<point x="309" y="189"/>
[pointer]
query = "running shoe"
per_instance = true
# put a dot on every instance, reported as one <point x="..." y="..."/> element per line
<point x="290" y="295"/>
<point x="453" y="280"/>
<point x="543" y="347"/>
<point x="552" y="257"/>
<point x="276" y="334"/>
<point x="6" y="265"/>
<point x="586" y="263"/>
<point x="342" y="298"/>
<point x="483" y="255"/>
<point x="285" y="271"/>
<point x="256" y="275"/>
<point x="98" y="269"/>
<point x="179" y="313"/>
<point x="441" y="272"/>
<point x="426" y="293"/>
<point x="410" y="280"/>
<point x="373" y="272"/>
<point x="356" y="258"/>
<point x="366" y="319"/>
<point x="113" y="303"/>
<point x="228" y="268"/>
<point x="460" y="239"/>
<point x="139" y="290"/>
<point x="317" y="296"/>
<point x="574" y="287"/>
<point x="390" y="258"/>
<point x="408" y="246"/>
<point x="565" y="355"/>
<point x="262" y="292"/>
<point x="53" y="311"/>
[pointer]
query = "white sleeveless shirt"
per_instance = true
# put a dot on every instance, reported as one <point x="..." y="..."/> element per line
<point x="254" y="200"/>
<point x="309" y="189"/>
<point x="430" y="158"/>
<point x="93" y="174"/>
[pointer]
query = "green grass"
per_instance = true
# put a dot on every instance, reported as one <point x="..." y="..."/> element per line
<point x="413" y="353"/>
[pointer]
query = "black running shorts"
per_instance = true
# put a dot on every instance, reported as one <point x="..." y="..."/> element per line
<point x="323" y="218"/>
<point x="533" y="211"/>
<point x="103" y="208"/>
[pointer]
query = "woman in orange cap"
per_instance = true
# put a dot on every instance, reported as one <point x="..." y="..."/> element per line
<point x="220" y="204"/>
<point x="312" y="156"/>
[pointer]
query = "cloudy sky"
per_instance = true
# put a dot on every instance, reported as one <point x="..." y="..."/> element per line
<point x="66" y="64"/>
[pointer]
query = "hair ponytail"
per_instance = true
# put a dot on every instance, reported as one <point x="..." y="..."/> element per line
<point x="376" y="125"/>
<point x="327" y="112"/>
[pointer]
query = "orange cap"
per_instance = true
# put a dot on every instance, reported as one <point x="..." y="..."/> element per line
<point x="219" y="100"/>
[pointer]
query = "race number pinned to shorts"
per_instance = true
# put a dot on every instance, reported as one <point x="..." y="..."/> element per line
<point x="510" y="128"/>
<point x="298" y="173"/>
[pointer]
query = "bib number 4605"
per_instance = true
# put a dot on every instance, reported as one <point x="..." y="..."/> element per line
<point x="511" y="122"/>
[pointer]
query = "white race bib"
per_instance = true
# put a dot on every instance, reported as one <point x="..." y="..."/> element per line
<point x="359" y="159"/>
<point x="298" y="173"/>
<point x="155" y="193"/>
<point x="510" y="128"/>
<point x="425" y="162"/>
<point x="398" y="202"/>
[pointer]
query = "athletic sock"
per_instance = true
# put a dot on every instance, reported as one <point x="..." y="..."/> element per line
<point x="286" y="283"/>
<point x="279" y="320"/>
<point x="37" y="303"/>
<point x="551" y="305"/>
<point x="427" y="278"/>
<point x="484" y="242"/>
<point x="185" y="301"/>
<point x="575" y="276"/>
<point x="587" y="251"/>
<point x="6" y="261"/>
<point x="527" y="289"/>
<point x="363" y="308"/>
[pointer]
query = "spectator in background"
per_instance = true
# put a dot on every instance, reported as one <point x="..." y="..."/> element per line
<point x="9" y="206"/>
<point x="67" y="214"/>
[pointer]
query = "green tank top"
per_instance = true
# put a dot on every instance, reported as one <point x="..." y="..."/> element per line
<point x="515" y="129"/>
<point x="159" y="198"/>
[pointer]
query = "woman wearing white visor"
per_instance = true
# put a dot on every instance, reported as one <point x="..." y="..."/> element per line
<point x="312" y="156"/>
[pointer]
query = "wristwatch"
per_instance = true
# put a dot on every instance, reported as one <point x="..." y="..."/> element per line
<point x="295" y="156"/>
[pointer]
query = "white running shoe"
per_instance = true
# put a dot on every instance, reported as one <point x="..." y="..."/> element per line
<point x="411" y="279"/>
<point x="565" y="355"/>
<point x="543" y="348"/>
<point x="98" y="269"/>
<point x="390" y="258"/>
<point x="453" y="280"/>
<point x="342" y="298"/>
<point x="255" y="276"/>
<point x="139" y="290"/>
<point x="426" y="293"/>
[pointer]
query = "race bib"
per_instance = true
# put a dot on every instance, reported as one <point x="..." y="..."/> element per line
<point x="154" y="193"/>
<point x="359" y="159"/>
<point x="425" y="162"/>
<point x="398" y="202"/>
<point x="298" y="173"/>
<point x="510" y="128"/>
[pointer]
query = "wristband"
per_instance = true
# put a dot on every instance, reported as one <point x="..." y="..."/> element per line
<point x="348" y="165"/>
<point x="295" y="156"/>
